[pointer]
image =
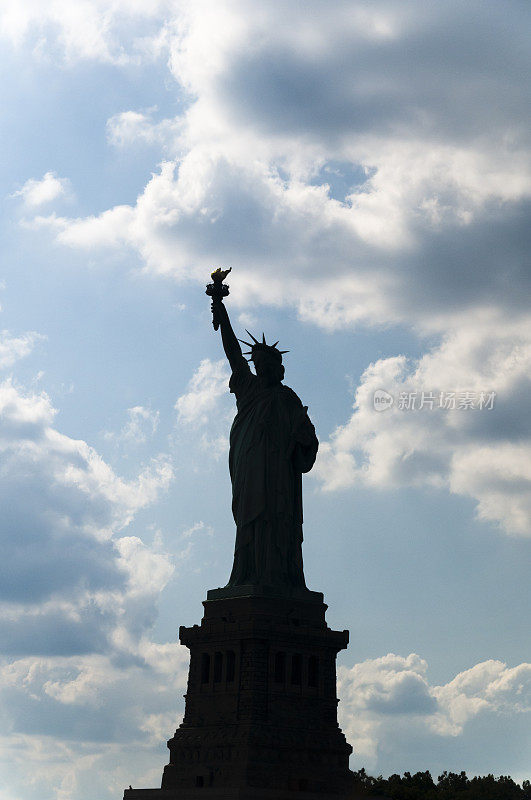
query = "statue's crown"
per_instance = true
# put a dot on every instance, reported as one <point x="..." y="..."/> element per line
<point x="257" y="346"/>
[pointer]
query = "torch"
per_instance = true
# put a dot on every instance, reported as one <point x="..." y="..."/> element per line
<point x="217" y="290"/>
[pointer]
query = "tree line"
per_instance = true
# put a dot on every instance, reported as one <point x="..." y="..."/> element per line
<point x="449" y="786"/>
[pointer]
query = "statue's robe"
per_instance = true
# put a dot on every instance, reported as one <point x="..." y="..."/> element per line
<point x="266" y="465"/>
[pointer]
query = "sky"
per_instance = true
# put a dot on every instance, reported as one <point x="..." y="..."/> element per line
<point x="364" y="168"/>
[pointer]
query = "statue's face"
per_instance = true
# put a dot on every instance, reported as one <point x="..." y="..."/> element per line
<point x="267" y="367"/>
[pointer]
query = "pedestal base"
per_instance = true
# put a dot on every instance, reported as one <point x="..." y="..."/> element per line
<point x="261" y="707"/>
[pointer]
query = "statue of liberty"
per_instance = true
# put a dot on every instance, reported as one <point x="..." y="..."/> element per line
<point x="272" y="442"/>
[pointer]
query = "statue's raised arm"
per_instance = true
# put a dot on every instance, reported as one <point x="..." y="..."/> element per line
<point x="217" y="290"/>
<point x="231" y="344"/>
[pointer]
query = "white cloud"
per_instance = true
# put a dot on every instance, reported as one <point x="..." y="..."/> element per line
<point x="256" y="150"/>
<point x="199" y="404"/>
<point x="64" y="501"/>
<point x="37" y="193"/>
<point x="250" y="185"/>
<point x="130" y="127"/>
<point x="379" y="257"/>
<point x="79" y="673"/>
<point x="385" y="696"/>
<point x="13" y="348"/>
<point x="484" y="454"/>
<point x="198" y="527"/>
<point x="110" y="721"/>
<point x="248" y="320"/>
<point x="141" y="425"/>
<point x="143" y="422"/>
<point x="148" y="571"/>
<point x="110" y="32"/>
<point x="491" y="686"/>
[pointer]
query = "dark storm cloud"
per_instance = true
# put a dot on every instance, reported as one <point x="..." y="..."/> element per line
<point x="45" y="716"/>
<point x="43" y="549"/>
<point x="437" y="75"/>
<point x="451" y="265"/>
<point x="509" y="420"/>
<point x="458" y="266"/>
<point x="56" y="633"/>
<point x="64" y="582"/>
<point x="37" y="563"/>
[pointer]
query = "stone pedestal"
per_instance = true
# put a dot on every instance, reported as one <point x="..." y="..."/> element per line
<point x="261" y="707"/>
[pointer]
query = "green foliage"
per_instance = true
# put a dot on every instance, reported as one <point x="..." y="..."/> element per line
<point x="449" y="786"/>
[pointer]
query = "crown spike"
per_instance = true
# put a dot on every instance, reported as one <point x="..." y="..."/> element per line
<point x="274" y="345"/>
<point x="248" y="344"/>
<point x="252" y="337"/>
<point x="263" y="338"/>
<point x="283" y="351"/>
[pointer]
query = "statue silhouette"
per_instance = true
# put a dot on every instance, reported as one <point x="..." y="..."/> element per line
<point x="272" y="442"/>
